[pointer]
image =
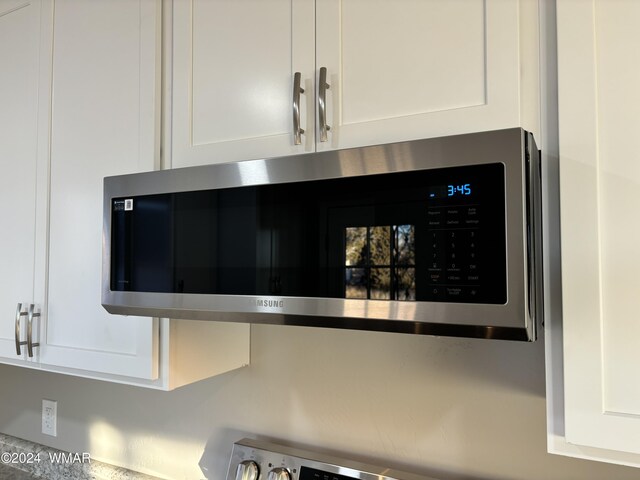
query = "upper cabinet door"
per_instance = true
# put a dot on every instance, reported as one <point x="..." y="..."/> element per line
<point x="598" y="45"/>
<point x="233" y="78"/>
<point x="401" y="70"/>
<point x="20" y="83"/>
<point x="105" y="121"/>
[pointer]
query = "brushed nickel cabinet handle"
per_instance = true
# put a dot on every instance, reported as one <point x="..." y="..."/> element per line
<point x="297" y="90"/>
<point x="323" y="86"/>
<point x="19" y="314"/>
<point x="30" y="344"/>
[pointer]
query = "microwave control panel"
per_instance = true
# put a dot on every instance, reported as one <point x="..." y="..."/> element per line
<point x="465" y="229"/>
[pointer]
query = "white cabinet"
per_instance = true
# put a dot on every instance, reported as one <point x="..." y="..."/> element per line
<point x="106" y="121"/>
<point x="81" y="101"/>
<point x="397" y="70"/>
<point x="103" y="123"/>
<point x="598" y="83"/>
<point x="233" y="68"/>
<point x="24" y="99"/>
<point x="402" y="70"/>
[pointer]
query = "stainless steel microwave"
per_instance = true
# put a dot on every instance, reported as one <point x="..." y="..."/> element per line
<point x="438" y="236"/>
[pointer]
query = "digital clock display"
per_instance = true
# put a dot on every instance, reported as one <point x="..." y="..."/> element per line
<point x="451" y="190"/>
<point x="464" y="189"/>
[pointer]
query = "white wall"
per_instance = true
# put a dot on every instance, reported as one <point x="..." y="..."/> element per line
<point x="449" y="408"/>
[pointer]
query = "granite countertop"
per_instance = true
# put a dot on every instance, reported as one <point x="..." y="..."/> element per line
<point x="48" y="463"/>
<point x="10" y="473"/>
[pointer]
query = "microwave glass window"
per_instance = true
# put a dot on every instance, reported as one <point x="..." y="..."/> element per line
<point x="387" y="254"/>
<point x="405" y="244"/>
<point x="380" y="283"/>
<point x="356" y="283"/>
<point x="428" y="235"/>
<point x="357" y="251"/>
<point x="380" y="245"/>
<point x="405" y="281"/>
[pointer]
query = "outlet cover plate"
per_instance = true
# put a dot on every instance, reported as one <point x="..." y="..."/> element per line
<point x="50" y="417"/>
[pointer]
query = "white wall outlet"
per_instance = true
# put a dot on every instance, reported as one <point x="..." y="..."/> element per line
<point x="49" y="417"/>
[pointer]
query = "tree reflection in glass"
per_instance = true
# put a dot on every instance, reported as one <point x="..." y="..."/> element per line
<point x="356" y="283"/>
<point x="380" y="283"/>
<point x="385" y="256"/>
<point x="405" y="244"/>
<point x="405" y="283"/>
<point x="357" y="246"/>
<point x="380" y="244"/>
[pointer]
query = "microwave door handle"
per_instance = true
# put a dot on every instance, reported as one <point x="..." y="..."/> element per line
<point x="323" y="86"/>
<point x="297" y="90"/>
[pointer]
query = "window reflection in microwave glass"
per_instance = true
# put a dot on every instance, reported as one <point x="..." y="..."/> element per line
<point x="380" y="262"/>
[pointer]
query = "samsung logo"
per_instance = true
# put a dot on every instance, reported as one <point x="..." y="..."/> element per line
<point x="265" y="302"/>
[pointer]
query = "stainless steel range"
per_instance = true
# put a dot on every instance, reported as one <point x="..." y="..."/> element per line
<point x="256" y="460"/>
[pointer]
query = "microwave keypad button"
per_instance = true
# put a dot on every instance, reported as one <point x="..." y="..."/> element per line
<point x="453" y="238"/>
<point x="472" y="218"/>
<point x="472" y="241"/>
<point x="437" y="293"/>
<point x="456" y="292"/>
<point x="453" y="278"/>
<point x="466" y="293"/>
<point x="436" y="278"/>
<point x="435" y="267"/>
<point x="453" y="217"/>
<point x="472" y="246"/>
<point x="436" y="237"/>
<point x="436" y="250"/>
<point x="434" y="217"/>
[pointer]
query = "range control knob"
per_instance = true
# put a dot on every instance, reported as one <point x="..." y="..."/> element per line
<point x="279" y="474"/>
<point x="247" y="470"/>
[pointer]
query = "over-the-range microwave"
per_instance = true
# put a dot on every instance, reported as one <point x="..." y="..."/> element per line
<point x="439" y="236"/>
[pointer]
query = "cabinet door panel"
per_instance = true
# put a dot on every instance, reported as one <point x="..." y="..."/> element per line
<point x="19" y="56"/>
<point x="600" y="179"/>
<point x="233" y="70"/>
<point x="414" y="69"/>
<point x="103" y="123"/>
<point x="451" y="76"/>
